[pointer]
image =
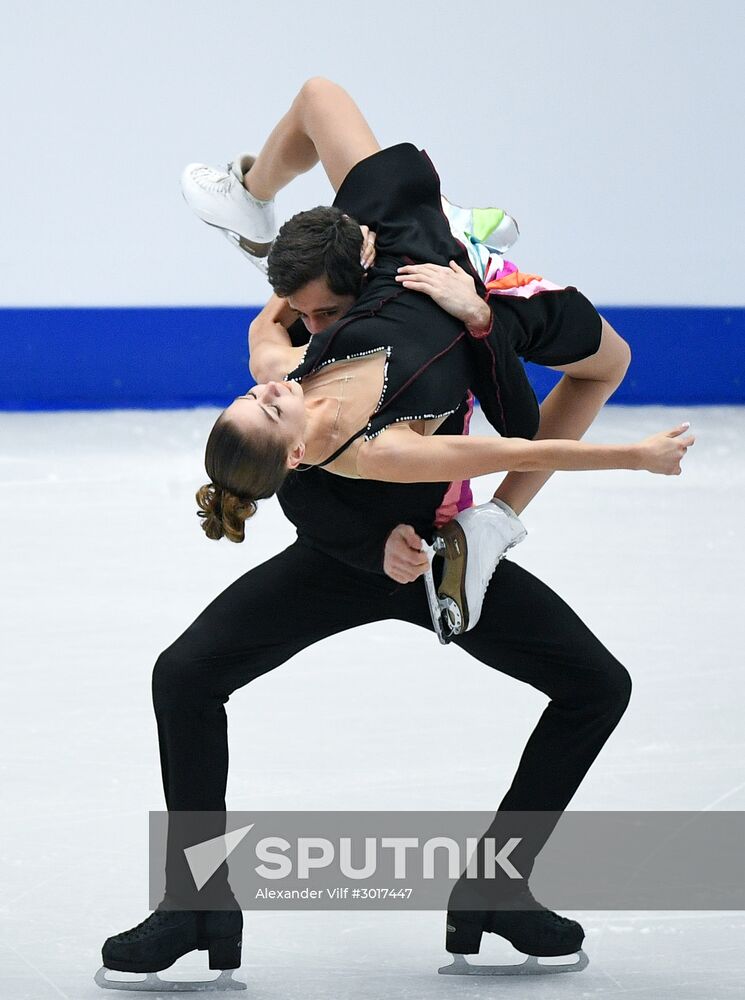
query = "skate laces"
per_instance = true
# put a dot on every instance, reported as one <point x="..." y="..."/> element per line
<point x="550" y="914"/>
<point x="533" y="905"/>
<point x="557" y="918"/>
<point x="213" y="180"/>
<point x="156" y="919"/>
<point x="544" y="921"/>
<point x="551" y="921"/>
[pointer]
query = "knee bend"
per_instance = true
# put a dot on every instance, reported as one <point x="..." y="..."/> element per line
<point x="617" y="354"/>
<point x="623" y="359"/>
<point x="616" y="690"/>
<point x="175" y="679"/>
<point x="315" y="93"/>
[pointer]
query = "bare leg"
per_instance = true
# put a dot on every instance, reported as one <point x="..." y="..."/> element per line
<point x="323" y="124"/>
<point x="570" y="408"/>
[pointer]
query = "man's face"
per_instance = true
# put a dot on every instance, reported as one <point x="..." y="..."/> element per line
<point x="317" y="306"/>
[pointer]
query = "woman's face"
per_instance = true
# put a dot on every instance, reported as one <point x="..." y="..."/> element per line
<point x="277" y="408"/>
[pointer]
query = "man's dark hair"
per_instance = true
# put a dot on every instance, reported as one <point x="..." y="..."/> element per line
<point x="323" y="242"/>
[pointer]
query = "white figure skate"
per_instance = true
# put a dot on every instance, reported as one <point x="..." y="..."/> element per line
<point x="219" y="198"/>
<point x="472" y="545"/>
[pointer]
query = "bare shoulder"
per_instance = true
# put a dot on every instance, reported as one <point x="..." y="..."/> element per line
<point x="375" y="455"/>
<point x="393" y="433"/>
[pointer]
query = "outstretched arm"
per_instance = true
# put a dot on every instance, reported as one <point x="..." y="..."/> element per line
<point x="400" y="455"/>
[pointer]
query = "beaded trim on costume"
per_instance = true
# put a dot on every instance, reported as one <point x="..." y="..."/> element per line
<point x="353" y="357"/>
<point x="302" y="360"/>
<point x="398" y="420"/>
<point x="350" y="357"/>
<point x="401" y="420"/>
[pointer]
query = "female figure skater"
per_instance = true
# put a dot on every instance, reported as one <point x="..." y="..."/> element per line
<point x="383" y="356"/>
<point x="334" y="418"/>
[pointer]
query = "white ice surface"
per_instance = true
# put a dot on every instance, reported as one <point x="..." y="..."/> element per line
<point x="104" y="565"/>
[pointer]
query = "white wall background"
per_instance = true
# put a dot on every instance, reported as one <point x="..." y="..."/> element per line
<point x="613" y="132"/>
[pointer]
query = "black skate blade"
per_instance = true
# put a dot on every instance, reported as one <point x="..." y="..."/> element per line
<point x="532" y="966"/>
<point x="150" y="982"/>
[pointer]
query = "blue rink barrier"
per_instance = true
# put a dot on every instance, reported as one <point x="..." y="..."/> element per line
<point x="62" y="359"/>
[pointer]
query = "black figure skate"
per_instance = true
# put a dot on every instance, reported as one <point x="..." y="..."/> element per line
<point x="534" y="930"/>
<point x="166" y="935"/>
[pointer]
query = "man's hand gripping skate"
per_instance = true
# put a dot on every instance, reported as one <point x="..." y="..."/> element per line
<point x="471" y="545"/>
<point x="404" y="559"/>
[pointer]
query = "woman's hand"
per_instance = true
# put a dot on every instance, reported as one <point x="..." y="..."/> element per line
<point x="367" y="254"/>
<point x="452" y="288"/>
<point x="664" y="452"/>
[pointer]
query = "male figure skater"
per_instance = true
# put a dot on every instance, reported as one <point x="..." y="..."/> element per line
<point x="329" y="580"/>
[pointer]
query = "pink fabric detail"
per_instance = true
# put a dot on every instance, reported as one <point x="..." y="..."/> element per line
<point x="529" y="290"/>
<point x="458" y="496"/>
<point x="494" y="272"/>
<point x="465" y="500"/>
<point x="532" y="288"/>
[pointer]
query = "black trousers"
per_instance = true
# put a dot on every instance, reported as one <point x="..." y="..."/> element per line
<point x="301" y="596"/>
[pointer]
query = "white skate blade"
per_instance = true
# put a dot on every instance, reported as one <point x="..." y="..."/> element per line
<point x="532" y="966"/>
<point x="150" y="982"/>
<point x="257" y="253"/>
<point x="244" y="246"/>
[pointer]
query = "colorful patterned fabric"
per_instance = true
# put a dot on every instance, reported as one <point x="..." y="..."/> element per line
<point x="473" y="227"/>
<point x="503" y="278"/>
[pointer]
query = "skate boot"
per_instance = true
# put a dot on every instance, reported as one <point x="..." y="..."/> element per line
<point x="167" y="935"/>
<point x="472" y="545"/>
<point x="219" y="198"/>
<point x="534" y="930"/>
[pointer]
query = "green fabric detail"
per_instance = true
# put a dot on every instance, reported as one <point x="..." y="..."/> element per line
<point x="485" y="221"/>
